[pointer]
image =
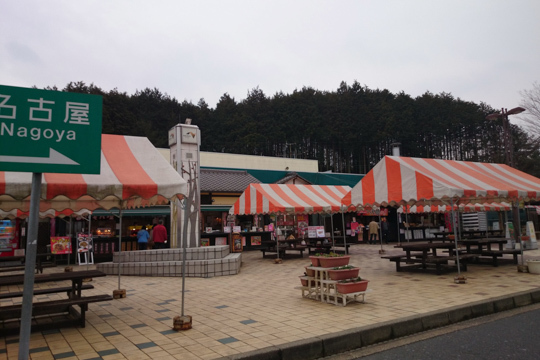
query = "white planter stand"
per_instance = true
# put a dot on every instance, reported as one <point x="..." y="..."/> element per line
<point x="534" y="266"/>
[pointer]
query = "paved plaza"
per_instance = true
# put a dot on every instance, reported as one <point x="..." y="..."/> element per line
<point x="256" y="309"/>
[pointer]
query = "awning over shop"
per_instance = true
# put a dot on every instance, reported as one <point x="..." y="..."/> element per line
<point x="147" y="211"/>
<point x="402" y="180"/>
<point x="218" y="208"/>
<point x="133" y="174"/>
<point x="289" y="199"/>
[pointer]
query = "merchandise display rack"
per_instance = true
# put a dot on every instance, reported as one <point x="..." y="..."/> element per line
<point x="321" y="288"/>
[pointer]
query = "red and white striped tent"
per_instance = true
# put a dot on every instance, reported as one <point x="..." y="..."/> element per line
<point x="51" y="213"/>
<point x="133" y="174"/>
<point x="411" y="209"/>
<point x="290" y="199"/>
<point x="403" y="180"/>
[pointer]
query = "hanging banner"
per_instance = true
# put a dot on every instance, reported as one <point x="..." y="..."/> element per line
<point x="61" y="245"/>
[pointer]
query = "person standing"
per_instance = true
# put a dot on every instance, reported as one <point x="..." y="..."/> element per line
<point x="142" y="238"/>
<point x="373" y="232"/>
<point x="159" y="235"/>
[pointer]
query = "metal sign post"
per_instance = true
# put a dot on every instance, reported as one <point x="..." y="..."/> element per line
<point x="30" y="265"/>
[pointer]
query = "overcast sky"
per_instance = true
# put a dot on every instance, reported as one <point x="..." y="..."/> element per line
<point x="478" y="50"/>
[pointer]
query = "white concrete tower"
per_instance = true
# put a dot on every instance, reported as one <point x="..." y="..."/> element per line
<point x="184" y="143"/>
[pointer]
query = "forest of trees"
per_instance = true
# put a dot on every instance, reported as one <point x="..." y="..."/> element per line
<point x="347" y="130"/>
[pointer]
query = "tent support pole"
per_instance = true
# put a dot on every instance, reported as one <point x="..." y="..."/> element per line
<point x="380" y="232"/>
<point x="398" y="217"/>
<point x="407" y="222"/>
<point x="70" y="237"/>
<point x="332" y="232"/>
<point x="344" y="234"/>
<point x="184" y="246"/>
<point x="519" y="231"/>
<point x="119" y="248"/>
<point x="30" y="265"/>
<point x="455" y="237"/>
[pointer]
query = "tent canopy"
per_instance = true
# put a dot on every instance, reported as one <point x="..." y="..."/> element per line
<point x="51" y="213"/>
<point x="289" y="199"/>
<point x="133" y="174"/>
<point x="402" y="180"/>
<point x="447" y="208"/>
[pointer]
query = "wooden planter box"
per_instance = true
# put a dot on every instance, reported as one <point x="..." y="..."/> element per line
<point x="343" y="274"/>
<point x="352" y="287"/>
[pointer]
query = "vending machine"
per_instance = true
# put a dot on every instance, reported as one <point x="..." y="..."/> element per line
<point x="8" y="237"/>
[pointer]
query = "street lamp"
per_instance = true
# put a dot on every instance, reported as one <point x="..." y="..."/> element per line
<point x="508" y="149"/>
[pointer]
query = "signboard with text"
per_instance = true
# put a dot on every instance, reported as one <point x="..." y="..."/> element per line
<point x="49" y="131"/>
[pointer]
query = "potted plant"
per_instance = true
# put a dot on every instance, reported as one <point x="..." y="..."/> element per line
<point x="343" y="272"/>
<point x="352" y="285"/>
<point x="533" y="266"/>
<point x="333" y="260"/>
<point x="310" y="272"/>
<point x="315" y="260"/>
<point x="304" y="280"/>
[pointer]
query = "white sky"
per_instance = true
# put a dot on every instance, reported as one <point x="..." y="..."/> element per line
<point x="478" y="50"/>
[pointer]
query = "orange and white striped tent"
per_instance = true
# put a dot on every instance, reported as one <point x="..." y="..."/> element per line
<point x="403" y="180"/>
<point x="411" y="209"/>
<point x="133" y="174"/>
<point x="18" y="214"/>
<point x="289" y="199"/>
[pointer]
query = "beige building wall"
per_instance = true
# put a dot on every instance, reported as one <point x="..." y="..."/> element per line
<point x="236" y="161"/>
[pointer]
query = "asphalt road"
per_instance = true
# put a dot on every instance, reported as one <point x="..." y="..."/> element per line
<point x="510" y="335"/>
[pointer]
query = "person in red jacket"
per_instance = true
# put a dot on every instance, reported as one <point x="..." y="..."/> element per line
<point x="159" y="235"/>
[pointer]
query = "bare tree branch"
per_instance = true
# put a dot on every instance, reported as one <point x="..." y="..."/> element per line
<point x="531" y="102"/>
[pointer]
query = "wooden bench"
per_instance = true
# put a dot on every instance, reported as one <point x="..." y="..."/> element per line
<point x="327" y="248"/>
<point x="322" y="248"/>
<point x="437" y="261"/>
<point x="18" y="264"/>
<point x="496" y="254"/>
<point x="12" y="267"/>
<point x="66" y="289"/>
<point x="283" y="250"/>
<point x="50" y="308"/>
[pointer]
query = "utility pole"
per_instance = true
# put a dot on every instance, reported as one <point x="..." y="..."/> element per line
<point x="508" y="146"/>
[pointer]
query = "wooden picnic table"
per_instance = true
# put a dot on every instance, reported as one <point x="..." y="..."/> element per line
<point x="423" y="255"/>
<point x="468" y="233"/>
<point x="483" y="247"/>
<point x="11" y="314"/>
<point x="16" y="263"/>
<point x="478" y="245"/>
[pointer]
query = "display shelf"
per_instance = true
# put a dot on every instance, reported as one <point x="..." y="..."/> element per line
<point x="321" y="288"/>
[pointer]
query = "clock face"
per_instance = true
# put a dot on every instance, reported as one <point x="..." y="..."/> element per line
<point x="189" y="135"/>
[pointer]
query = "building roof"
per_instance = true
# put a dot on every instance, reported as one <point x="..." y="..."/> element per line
<point x="292" y="176"/>
<point x="269" y="170"/>
<point x="241" y="161"/>
<point x="230" y="181"/>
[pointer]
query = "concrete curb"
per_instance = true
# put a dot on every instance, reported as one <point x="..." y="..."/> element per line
<point x="332" y="344"/>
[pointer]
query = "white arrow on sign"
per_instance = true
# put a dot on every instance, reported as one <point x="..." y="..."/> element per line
<point x="54" y="158"/>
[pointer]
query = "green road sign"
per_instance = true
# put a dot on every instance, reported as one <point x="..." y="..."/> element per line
<point x="49" y="131"/>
